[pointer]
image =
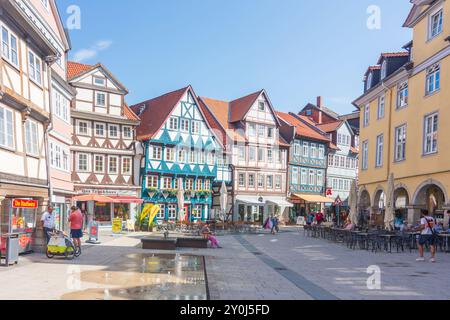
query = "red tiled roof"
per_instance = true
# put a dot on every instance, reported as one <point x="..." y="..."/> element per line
<point x="330" y="127"/>
<point x="240" y="107"/>
<point x="217" y="113"/>
<point x="74" y="69"/>
<point x="302" y="129"/>
<point x="156" y="112"/>
<point x="129" y="114"/>
<point x="392" y="55"/>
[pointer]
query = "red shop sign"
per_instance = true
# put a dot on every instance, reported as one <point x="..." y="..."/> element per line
<point x="25" y="204"/>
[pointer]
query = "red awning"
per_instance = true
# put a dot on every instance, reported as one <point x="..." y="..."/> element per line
<point x="127" y="200"/>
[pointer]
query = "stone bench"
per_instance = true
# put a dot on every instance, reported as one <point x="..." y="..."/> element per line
<point x="159" y="243"/>
<point x="196" y="243"/>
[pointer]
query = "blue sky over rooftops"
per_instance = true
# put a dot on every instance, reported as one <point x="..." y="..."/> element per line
<point x="295" y="49"/>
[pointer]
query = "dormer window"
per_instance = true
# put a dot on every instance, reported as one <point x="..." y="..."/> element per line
<point x="369" y="81"/>
<point x="384" y="70"/>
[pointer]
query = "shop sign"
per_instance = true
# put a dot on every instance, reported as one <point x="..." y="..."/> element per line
<point x="117" y="226"/>
<point x="25" y="204"/>
<point x="93" y="231"/>
<point x="329" y="192"/>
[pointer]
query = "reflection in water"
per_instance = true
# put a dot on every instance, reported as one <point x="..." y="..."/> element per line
<point x="146" y="277"/>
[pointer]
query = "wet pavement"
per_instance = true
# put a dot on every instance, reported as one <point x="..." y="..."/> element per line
<point x="146" y="277"/>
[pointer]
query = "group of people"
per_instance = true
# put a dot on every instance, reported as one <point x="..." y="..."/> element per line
<point x="317" y="218"/>
<point x="273" y="224"/>
<point x="76" y="221"/>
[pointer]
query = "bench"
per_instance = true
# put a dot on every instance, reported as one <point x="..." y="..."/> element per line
<point x="193" y="242"/>
<point x="159" y="243"/>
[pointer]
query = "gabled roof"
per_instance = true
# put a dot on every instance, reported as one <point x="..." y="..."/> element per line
<point x="392" y="55"/>
<point x="416" y="11"/>
<point x="372" y="68"/>
<point x="156" y="112"/>
<point x="302" y="129"/>
<point x="76" y="70"/>
<point x="239" y="108"/>
<point x="330" y="127"/>
<point x="129" y="114"/>
<point x="326" y="110"/>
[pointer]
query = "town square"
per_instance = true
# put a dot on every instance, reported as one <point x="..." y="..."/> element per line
<point x="218" y="159"/>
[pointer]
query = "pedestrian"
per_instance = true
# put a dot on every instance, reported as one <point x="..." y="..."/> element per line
<point x="427" y="236"/>
<point x="48" y="223"/>
<point x="206" y="232"/>
<point x="76" y="226"/>
<point x="275" y="223"/>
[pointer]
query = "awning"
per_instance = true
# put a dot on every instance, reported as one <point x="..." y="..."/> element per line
<point x="127" y="200"/>
<point x="105" y="199"/>
<point x="312" y="198"/>
<point x="251" y="200"/>
<point x="279" y="201"/>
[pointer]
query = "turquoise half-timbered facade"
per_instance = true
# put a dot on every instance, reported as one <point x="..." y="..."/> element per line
<point x="180" y="147"/>
<point x="307" y="171"/>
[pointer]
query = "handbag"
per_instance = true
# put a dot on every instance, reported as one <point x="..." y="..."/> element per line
<point x="435" y="234"/>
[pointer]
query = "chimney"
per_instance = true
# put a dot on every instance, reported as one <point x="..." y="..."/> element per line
<point x="319" y="105"/>
<point x="319" y="102"/>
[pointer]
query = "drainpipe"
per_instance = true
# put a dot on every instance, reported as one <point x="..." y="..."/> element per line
<point x="389" y="129"/>
<point x="49" y="60"/>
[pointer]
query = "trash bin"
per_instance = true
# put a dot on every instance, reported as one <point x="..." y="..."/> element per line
<point x="12" y="249"/>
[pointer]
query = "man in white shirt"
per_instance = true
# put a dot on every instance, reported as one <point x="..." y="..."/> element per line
<point x="48" y="222"/>
<point x="427" y="236"/>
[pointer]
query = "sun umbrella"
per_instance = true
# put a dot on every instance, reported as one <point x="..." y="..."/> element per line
<point x="180" y="198"/>
<point x="353" y="203"/>
<point x="389" y="214"/>
<point x="223" y="200"/>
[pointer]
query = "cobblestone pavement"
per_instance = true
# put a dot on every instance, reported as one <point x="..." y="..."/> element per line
<point x="282" y="267"/>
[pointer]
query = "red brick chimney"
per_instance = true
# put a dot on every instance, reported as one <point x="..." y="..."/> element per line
<point x="319" y="105"/>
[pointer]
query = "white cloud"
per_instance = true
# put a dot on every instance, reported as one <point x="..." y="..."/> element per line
<point x="87" y="54"/>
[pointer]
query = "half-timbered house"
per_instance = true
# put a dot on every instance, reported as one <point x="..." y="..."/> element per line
<point x="180" y="147"/>
<point x="103" y="143"/>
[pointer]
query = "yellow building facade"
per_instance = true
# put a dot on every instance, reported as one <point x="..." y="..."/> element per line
<point x="405" y="114"/>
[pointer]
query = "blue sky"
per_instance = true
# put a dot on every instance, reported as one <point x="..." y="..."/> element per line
<point x="295" y="49"/>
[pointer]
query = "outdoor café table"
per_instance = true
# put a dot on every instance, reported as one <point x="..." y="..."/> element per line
<point x="388" y="241"/>
<point x="446" y="238"/>
<point x="362" y="240"/>
<point x="413" y="236"/>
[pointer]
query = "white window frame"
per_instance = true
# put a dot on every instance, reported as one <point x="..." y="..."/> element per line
<point x="295" y="175"/>
<point x="103" y="84"/>
<point x="152" y="182"/>
<point x="251" y="180"/>
<point x="431" y="136"/>
<point x="34" y="68"/>
<point x="117" y="161"/>
<point x="172" y="211"/>
<point x="261" y="181"/>
<point x="402" y="95"/>
<point x="169" y="154"/>
<point x="155" y="153"/>
<point x="252" y="130"/>
<point x="174" y="123"/>
<point x="321" y="152"/>
<point x="261" y="131"/>
<point x="400" y="143"/>
<point x="88" y="128"/>
<point x="306" y="149"/>
<point x="9" y="46"/>
<point x="312" y="178"/>
<point x="104" y="129"/>
<point x="366" y="120"/>
<point x="270" y="182"/>
<point x="124" y="172"/>
<point x="117" y="136"/>
<point x="252" y="153"/>
<point x="381" y="106"/>
<point x="162" y="212"/>
<point x="365" y="155"/>
<point x="196" y="127"/>
<point x="7" y="127"/>
<point x="88" y="165"/>
<point x="96" y="157"/>
<point x="384" y="69"/>
<point x="97" y="95"/>
<point x="61" y="105"/>
<point x="261" y="106"/>
<point x="185" y="125"/>
<point x="319" y="179"/>
<point x="369" y="81"/>
<point x="433" y="79"/>
<point x="379" y="151"/>
<point x="241" y="180"/>
<point x="32" y="138"/>
<point x="124" y="129"/>
<point x="278" y="182"/>
<point x="432" y="32"/>
<point x="304" y="177"/>
<point x="241" y="153"/>
<point x="166" y="183"/>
